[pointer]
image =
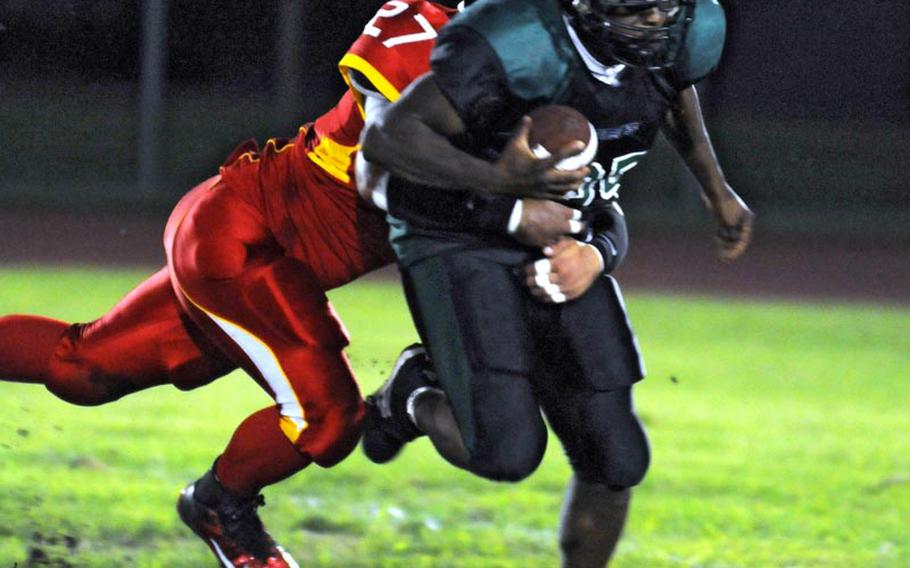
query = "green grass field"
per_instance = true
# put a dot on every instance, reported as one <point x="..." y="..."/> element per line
<point x="780" y="436"/>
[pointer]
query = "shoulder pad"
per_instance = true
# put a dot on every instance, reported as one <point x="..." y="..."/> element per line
<point x="394" y="47"/>
<point x="530" y="41"/>
<point x="704" y="41"/>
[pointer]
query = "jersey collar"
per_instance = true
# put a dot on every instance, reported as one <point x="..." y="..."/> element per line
<point x="607" y="74"/>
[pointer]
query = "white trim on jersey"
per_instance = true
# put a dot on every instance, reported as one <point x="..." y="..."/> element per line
<point x="606" y="74"/>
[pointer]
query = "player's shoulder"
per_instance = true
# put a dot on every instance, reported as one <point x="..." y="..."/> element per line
<point x="432" y="8"/>
<point x="703" y="46"/>
<point x="704" y="42"/>
<point x="400" y="18"/>
<point x="400" y="27"/>
<point x="526" y="38"/>
<point x="394" y="47"/>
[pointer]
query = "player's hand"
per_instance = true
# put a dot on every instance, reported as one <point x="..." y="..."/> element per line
<point x="734" y="226"/>
<point x="565" y="273"/>
<point x="544" y="222"/>
<point x="523" y="173"/>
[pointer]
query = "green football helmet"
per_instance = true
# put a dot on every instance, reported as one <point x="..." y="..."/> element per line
<point x="604" y="28"/>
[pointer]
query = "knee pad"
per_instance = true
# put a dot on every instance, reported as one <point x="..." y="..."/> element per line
<point x="332" y="435"/>
<point x="328" y="404"/>
<point x="618" y="471"/>
<point x="503" y="470"/>
<point x="74" y="378"/>
<point x="510" y="458"/>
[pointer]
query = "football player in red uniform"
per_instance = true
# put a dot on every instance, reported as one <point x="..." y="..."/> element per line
<point x="250" y="254"/>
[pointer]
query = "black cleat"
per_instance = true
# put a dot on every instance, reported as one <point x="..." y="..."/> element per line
<point x="387" y="427"/>
<point x="230" y="526"/>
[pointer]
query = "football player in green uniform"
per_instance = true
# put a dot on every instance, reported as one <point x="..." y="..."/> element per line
<point x="515" y="320"/>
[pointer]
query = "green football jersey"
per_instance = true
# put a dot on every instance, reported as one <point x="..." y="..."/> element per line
<point x="500" y="59"/>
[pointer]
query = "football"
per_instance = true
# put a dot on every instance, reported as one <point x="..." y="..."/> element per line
<point x="554" y="127"/>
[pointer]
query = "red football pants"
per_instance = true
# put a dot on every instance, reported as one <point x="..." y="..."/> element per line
<point x="228" y="298"/>
<point x="268" y="314"/>
<point x="144" y="341"/>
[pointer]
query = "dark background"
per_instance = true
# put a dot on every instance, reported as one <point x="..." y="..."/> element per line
<point x="809" y="109"/>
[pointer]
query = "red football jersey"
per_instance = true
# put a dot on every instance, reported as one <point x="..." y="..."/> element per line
<point x="393" y="50"/>
<point x="305" y="187"/>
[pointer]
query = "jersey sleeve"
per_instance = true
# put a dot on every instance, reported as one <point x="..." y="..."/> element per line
<point x="471" y="76"/>
<point x="394" y="48"/>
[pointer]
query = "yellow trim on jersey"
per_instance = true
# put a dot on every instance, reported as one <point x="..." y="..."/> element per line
<point x="274" y="144"/>
<point x="211" y="186"/>
<point x="352" y="61"/>
<point x="248" y="155"/>
<point x="256" y="156"/>
<point x="334" y="158"/>
<point x="291" y="429"/>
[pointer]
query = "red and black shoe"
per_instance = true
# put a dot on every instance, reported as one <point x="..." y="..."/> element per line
<point x="230" y="526"/>
<point x="388" y="426"/>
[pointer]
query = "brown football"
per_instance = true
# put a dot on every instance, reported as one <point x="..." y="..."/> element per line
<point x="553" y="127"/>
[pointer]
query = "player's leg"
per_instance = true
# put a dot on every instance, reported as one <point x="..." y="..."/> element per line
<point x="268" y="313"/>
<point x="591" y="523"/>
<point x="283" y="331"/>
<point x="317" y="417"/>
<point x="227" y="520"/>
<point x="609" y="453"/>
<point x="432" y="413"/>
<point x="143" y="341"/>
<point x="468" y="311"/>
<point x="584" y="385"/>
<point x="398" y="412"/>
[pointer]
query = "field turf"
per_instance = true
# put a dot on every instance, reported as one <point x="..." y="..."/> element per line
<point x="780" y="436"/>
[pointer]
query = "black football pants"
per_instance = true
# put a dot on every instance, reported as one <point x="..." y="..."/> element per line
<point x="502" y="356"/>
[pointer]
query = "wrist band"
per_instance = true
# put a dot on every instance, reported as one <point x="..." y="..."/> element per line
<point x="515" y="217"/>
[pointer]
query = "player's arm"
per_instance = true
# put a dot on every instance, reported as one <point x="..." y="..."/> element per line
<point x="570" y="266"/>
<point x="533" y="222"/>
<point x="372" y="180"/>
<point x="684" y="127"/>
<point x="412" y="139"/>
<point x="610" y="236"/>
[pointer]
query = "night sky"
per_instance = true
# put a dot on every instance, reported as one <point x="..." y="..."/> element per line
<point x="784" y="58"/>
<point x="809" y="97"/>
